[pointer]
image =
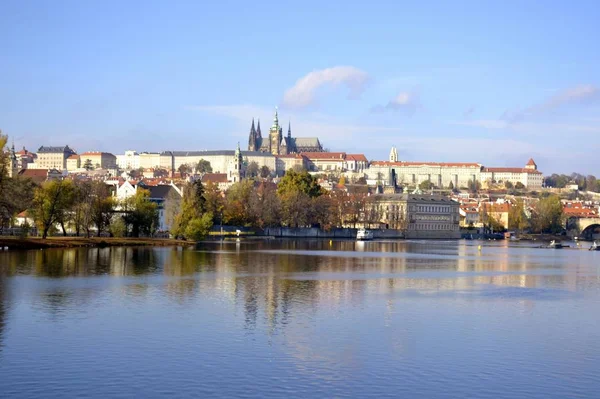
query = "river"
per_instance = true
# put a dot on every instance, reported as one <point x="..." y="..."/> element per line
<point x="422" y="319"/>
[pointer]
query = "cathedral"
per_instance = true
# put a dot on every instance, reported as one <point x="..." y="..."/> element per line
<point x="277" y="144"/>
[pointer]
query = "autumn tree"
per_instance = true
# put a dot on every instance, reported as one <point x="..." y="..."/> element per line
<point x="214" y="201"/>
<point x="299" y="181"/>
<point x="237" y="203"/>
<point x="517" y="219"/>
<point x="265" y="205"/>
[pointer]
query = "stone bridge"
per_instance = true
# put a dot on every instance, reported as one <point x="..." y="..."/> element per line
<point x="585" y="228"/>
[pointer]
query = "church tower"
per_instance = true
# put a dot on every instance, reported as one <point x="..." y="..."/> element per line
<point x="235" y="167"/>
<point x="275" y="135"/>
<point x="252" y="139"/>
<point x="393" y="155"/>
<point x="14" y="162"/>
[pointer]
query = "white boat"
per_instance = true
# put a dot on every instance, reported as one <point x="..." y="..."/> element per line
<point x="595" y="247"/>
<point x="363" y="235"/>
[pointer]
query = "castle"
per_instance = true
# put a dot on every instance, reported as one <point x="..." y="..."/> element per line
<point x="277" y="144"/>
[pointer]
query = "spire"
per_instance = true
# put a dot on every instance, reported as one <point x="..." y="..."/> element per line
<point x="289" y="128"/>
<point x="258" y="132"/>
<point x="276" y="119"/>
<point x="252" y="129"/>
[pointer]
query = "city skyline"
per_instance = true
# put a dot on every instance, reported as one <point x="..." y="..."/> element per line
<point x="495" y="84"/>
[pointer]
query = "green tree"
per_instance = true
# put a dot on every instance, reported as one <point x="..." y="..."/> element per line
<point x="548" y="216"/>
<point x="87" y="165"/>
<point x="517" y="219"/>
<point x="508" y="185"/>
<point x="203" y="166"/>
<point x="451" y="186"/>
<point x="519" y="186"/>
<point x="199" y="227"/>
<point x="193" y="207"/>
<point x="141" y="214"/>
<point x="426" y="185"/>
<point x="50" y="203"/>
<point x="299" y="181"/>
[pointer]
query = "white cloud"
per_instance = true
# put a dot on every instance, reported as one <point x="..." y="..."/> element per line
<point x="303" y="92"/>
<point x="404" y="101"/>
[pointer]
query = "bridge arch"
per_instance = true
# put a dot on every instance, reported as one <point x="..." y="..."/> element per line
<point x="591" y="232"/>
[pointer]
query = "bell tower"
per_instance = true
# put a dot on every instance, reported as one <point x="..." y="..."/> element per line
<point x="275" y="135"/>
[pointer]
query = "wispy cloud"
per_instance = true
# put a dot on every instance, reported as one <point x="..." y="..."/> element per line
<point x="577" y="95"/>
<point x="303" y="93"/>
<point x="469" y="112"/>
<point x="404" y="101"/>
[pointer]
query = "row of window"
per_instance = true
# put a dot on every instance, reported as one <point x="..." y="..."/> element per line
<point x="432" y="208"/>
<point x="435" y="227"/>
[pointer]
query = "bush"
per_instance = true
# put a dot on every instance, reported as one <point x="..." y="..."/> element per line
<point x="198" y="228"/>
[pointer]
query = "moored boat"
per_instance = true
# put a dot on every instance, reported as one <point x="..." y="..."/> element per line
<point x="364" y="235"/>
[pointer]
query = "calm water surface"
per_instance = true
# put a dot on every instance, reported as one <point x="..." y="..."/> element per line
<point x="301" y="319"/>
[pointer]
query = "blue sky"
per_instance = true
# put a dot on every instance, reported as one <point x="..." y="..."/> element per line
<point x="489" y="82"/>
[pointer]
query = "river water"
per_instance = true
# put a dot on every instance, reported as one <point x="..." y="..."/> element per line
<point x="427" y="319"/>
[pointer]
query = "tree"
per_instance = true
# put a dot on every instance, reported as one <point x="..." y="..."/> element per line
<point x="140" y="214"/>
<point x="265" y="171"/>
<point x="237" y="203"/>
<point x="203" y="166"/>
<point x="252" y="170"/>
<point x="426" y="185"/>
<point x="87" y="165"/>
<point x="548" y="216"/>
<point x="50" y="203"/>
<point x="198" y="227"/>
<point x="517" y="219"/>
<point x="451" y="186"/>
<point x="474" y="186"/>
<point x="214" y="202"/>
<point x="299" y="181"/>
<point x="508" y="185"/>
<point x="519" y="186"/>
<point x="265" y="206"/>
<point x="296" y="208"/>
<point x="184" y="169"/>
<point x="193" y="207"/>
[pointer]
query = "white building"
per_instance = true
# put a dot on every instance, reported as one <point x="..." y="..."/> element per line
<point x="128" y="161"/>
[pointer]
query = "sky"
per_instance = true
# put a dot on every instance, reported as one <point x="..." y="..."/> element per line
<point x="481" y="81"/>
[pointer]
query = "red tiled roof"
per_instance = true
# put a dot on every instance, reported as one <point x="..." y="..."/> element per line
<point x="357" y="157"/>
<point x="215" y="177"/>
<point x="325" y="155"/>
<point x="580" y="212"/>
<point x="74" y="157"/>
<point x="441" y="164"/>
<point x="512" y="170"/>
<point x="531" y="162"/>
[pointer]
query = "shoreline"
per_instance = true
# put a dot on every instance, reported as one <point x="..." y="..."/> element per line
<point x="15" y="243"/>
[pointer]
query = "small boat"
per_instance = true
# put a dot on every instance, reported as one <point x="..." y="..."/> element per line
<point x="556" y="245"/>
<point x="364" y="235"/>
<point x="595" y="247"/>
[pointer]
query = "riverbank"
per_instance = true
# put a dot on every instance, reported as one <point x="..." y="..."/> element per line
<point x="76" y="242"/>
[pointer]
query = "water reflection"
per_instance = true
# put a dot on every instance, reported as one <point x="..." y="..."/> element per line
<point x="356" y="312"/>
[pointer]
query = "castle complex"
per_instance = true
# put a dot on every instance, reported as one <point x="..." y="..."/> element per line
<point x="277" y="144"/>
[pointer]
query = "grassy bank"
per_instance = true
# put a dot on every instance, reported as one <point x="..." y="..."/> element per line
<point x="75" y="242"/>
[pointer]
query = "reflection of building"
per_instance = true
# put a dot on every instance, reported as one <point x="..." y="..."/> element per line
<point x="277" y="144"/>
